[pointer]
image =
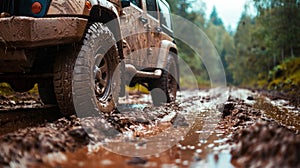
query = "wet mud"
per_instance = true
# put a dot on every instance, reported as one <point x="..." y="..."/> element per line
<point x="248" y="130"/>
<point x="262" y="136"/>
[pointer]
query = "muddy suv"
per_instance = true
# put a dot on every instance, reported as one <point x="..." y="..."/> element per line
<point x="84" y="52"/>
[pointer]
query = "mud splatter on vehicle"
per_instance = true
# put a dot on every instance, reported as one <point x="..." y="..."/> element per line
<point x="86" y="51"/>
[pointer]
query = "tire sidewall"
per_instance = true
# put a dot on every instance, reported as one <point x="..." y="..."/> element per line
<point x="160" y="86"/>
<point x="98" y="40"/>
<point x="172" y="63"/>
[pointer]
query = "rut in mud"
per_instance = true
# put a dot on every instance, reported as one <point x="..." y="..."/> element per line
<point x="262" y="138"/>
<point x="244" y="131"/>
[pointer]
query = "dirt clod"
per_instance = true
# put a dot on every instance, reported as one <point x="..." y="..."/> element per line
<point x="226" y="108"/>
<point x="137" y="160"/>
<point x="267" y="145"/>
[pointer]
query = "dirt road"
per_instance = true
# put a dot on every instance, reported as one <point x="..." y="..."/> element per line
<point x="200" y="130"/>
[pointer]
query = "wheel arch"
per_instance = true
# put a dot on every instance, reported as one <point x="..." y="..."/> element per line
<point x="108" y="15"/>
<point x="166" y="47"/>
<point x="175" y="52"/>
<point x="101" y="11"/>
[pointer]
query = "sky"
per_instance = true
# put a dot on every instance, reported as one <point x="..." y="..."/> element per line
<point x="228" y="10"/>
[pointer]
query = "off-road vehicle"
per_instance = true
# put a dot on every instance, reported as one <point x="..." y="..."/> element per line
<point x="88" y="50"/>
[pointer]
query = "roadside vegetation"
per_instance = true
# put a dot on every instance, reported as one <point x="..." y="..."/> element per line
<point x="285" y="76"/>
<point x="263" y="52"/>
<point x="6" y="92"/>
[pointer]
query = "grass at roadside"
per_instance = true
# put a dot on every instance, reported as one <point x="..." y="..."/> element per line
<point x="6" y="90"/>
<point x="286" y="76"/>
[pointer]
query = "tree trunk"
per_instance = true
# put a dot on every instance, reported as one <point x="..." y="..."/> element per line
<point x="282" y="54"/>
<point x="292" y="52"/>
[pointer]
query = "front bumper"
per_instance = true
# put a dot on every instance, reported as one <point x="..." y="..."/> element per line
<point x="28" y="32"/>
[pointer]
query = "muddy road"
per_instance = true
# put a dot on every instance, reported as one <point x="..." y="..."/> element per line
<point x="207" y="128"/>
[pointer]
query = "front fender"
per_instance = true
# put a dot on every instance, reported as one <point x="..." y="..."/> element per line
<point x="165" y="47"/>
<point x="78" y="7"/>
<point x="67" y="7"/>
<point x="106" y="5"/>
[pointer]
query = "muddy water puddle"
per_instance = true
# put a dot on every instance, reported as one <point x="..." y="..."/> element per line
<point x="185" y="154"/>
<point x="199" y="148"/>
<point x="194" y="132"/>
<point x="197" y="144"/>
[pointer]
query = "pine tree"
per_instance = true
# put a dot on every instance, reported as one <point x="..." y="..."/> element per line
<point x="214" y="18"/>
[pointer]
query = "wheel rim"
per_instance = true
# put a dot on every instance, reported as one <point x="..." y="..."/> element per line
<point x="101" y="76"/>
<point x="103" y="83"/>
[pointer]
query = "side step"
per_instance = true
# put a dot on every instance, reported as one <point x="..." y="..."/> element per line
<point x="129" y="68"/>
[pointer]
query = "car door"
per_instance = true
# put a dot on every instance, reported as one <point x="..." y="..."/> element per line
<point x="133" y="28"/>
<point x="165" y="19"/>
<point x="154" y="31"/>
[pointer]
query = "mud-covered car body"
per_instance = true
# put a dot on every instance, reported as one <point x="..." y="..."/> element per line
<point x="33" y="32"/>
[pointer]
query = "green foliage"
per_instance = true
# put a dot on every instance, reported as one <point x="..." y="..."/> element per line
<point x="34" y="90"/>
<point x="264" y="42"/>
<point x="5" y="89"/>
<point x="214" y="18"/>
<point x="285" y="76"/>
<point x="257" y="52"/>
<point x="184" y="9"/>
<point x="281" y="19"/>
<point x="224" y="44"/>
<point x="239" y="63"/>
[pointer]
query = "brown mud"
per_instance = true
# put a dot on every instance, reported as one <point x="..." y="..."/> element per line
<point x="248" y="130"/>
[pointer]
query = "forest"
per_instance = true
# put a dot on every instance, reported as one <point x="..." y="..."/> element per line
<point x="263" y="51"/>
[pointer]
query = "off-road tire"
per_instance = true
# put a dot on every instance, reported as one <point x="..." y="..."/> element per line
<point x="164" y="89"/>
<point x="75" y="74"/>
